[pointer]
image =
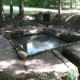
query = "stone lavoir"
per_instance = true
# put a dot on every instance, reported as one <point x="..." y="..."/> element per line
<point x="72" y="39"/>
<point x="39" y="42"/>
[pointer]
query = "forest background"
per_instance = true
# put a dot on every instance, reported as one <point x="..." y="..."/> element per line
<point x="52" y="4"/>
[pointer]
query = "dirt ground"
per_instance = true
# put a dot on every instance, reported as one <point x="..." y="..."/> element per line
<point x="68" y="21"/>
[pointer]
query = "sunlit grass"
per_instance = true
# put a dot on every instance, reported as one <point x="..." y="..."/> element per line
<point x="17" y="11"/>
<point x="27" y="10"/>
<point x="32" y="10"/>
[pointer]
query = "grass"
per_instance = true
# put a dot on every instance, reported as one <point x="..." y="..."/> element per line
<point x="70" y="76"/>
<point x="26" y="9"/>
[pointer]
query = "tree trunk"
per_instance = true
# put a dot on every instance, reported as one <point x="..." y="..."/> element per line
<point x="2" y="17"/>
<point x="21" y="8"/>
<point x="75" y="4"/>
<point x="11" y="9"/>
<point x="59" y="10"/>
<point x="70" y="3"/>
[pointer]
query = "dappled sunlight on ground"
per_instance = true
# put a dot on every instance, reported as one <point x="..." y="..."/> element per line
<point x="41" y="66"/>
<point x="75" y="47"/>
<point x="33" y="31"/>
<point x="29" y="17"/>
<point x="9" y="60"/>
<point x="12" y="66"/>
<point x="78" y="49"/>
<point x="4" y="64"/>
<point x="71" y="66"/>
<point x="69" y="18"/>
<point x="7" y="63"/>
<point x="47" y="62"/>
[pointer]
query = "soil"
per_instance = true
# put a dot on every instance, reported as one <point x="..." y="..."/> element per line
<point x="69" y="21"/>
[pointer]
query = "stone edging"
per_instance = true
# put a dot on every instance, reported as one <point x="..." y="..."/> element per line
<point x="22" y="54"/>
<point x="64" y="35"/>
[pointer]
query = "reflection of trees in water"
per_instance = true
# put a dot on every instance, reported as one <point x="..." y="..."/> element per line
<point x="22" y="41"/>
<point x="39" y="41"/>
<point x="46" y="43"/>
<point x="39" y="44"/>
<point x="55" y="44"/>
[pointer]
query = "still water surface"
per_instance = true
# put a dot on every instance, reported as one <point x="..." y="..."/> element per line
<point x="40" y="42"/>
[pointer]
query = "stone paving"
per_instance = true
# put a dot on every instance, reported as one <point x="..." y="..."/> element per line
<point x="45" y="62"/>
<point x="9" y="60"/>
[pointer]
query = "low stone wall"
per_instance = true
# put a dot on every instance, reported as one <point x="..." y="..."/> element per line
<point x="64" y="35"/>
<point x="25" y="33"/>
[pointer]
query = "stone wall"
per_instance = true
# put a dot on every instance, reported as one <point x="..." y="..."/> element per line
<point x="40" y="17"/>
<point x="25" y="33"/>
<point x="64" y="35"/>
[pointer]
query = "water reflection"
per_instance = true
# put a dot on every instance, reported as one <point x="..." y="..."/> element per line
<point x="40" y="42"/>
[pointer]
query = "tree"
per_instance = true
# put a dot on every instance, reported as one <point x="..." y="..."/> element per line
<point x="2" y="17"/>
<point x="11" y="9"/>
<point x="21" y="8"/>
<point x="75" y="2"/>
<point x="59" y="9"/>
<point x="71" y="4"/>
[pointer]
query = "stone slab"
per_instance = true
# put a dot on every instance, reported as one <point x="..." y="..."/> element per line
<point x="64" y="60"/>
<point x="47" y="62"/>
<point x="9" y="60"/>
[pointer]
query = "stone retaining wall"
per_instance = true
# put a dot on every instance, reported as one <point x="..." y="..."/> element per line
<point x="70" y="37"/>
<point x="25" y="33"/>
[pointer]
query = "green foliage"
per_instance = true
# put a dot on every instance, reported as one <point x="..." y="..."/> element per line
<point x="42" y="76"/>
<point x="6" y="76"/>
<point x="15" y="2"/>
<point x="70" y="76"/>
<point x="65" y="4"/>
<point x="34" y="3"/>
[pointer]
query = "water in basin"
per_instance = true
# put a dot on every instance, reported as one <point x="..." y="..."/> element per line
<point x="40" y="42"/>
